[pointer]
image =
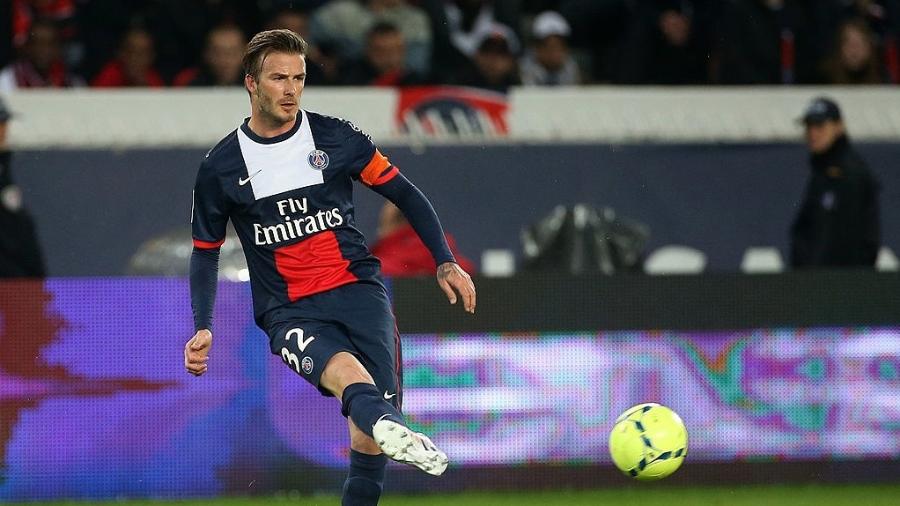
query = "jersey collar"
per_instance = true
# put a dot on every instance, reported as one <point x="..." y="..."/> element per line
<point x="271" y="140"/>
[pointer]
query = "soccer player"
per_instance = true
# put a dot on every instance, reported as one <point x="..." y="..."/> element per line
<point x="284" y="178"/>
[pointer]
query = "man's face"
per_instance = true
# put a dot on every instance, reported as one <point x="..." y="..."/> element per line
<point x="276" y="96"/>
<point x="855" y="48"/>
<point x="137" y="54"/>
<point x="43" y="47"/>
<point x="495" y="65"/>
<point x="223" y="55"/>
<point x="552" y="52"/>
<point x="387" y="52"/>
<point x="820" y="136"/>
<point x="293" y="21"/>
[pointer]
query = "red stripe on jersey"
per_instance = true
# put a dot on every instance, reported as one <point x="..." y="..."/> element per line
<point x="207" y="245"/>
<point x="373" y="170"/>
<point x="387" y="176"/>
<point x="313" y="265"/>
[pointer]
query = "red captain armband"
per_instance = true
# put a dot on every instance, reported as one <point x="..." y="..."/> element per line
<point x="378" y="171"/>
<point x="207" y="245"/>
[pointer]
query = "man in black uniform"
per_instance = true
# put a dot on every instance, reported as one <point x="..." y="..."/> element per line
<point x="20" y="253"/>
<point x="838" y="223"/>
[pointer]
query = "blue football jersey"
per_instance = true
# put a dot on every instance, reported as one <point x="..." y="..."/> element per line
<point x="290" y="199"/>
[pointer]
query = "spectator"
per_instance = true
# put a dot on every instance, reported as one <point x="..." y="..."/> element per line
<point x="25" y="12"/>
<point x="134" y="64"/>
<point x="457" y="26"/>
<point x="221" y="60"/>
<point x="385" y="60"/>
<point x="469" y="20"/>
<point x="666" y="44"/>
<point x="549" y="61"/>
<point x="494" y="65"/>
<point x="344" y="24"/>
<point x="770" y="41"/>
<point x="400" y="250"/>
<point x="20" y="253"/>
<point x="882" y="17"/>
<point x="40" y="64"/>
<point x="323" y="64"/>
<point x="291" y="19"/>
<point x="102" y="24"/>
<point x="179" y="28"/>
<point x="838" y="222"/>
<point x="855" y="57"/>
<point x="598" y="27"/>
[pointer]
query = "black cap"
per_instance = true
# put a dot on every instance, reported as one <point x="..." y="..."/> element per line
<point x="495" y="44"/>
<point x="497" y="38"/>
<point x="820" y="110"/>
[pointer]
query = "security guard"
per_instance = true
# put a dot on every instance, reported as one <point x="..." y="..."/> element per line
<point x="838" y="223"/>
<point x="20" y="253"/>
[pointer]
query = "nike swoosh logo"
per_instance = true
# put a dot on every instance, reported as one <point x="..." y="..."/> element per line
<point x="242" y="181"/>
<point x="389" y="397"/>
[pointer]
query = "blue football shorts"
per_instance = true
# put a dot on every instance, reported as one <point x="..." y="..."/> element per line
<point x="356" y="318"/>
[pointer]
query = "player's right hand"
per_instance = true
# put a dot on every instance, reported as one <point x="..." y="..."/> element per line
<point x="196" y="352"/>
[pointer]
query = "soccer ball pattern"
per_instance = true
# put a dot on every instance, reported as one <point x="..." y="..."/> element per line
<point x="648" y="442"/>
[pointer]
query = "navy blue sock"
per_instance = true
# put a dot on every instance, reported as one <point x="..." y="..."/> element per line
<point x="365" y="481"/>
<point x="363" y="403"/>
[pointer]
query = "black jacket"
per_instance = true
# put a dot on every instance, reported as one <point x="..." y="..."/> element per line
<point x="20" y="255"/>
<point x="838" y="223"/>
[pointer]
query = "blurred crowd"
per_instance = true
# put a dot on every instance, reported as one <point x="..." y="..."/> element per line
<point x="491" y="44"/>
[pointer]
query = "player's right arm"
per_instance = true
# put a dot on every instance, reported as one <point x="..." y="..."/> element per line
<point x="209" y="217"/>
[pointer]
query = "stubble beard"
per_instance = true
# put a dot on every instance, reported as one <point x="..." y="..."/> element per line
<point x="269" y="111"/>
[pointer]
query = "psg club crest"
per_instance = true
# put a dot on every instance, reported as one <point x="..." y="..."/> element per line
<point x="307" y="363"/>
<point x="318" y="159"/>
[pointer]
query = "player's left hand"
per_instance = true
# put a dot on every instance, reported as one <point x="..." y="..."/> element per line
<point x="452" y="279"/>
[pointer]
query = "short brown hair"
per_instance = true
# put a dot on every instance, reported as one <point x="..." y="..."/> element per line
<point x="271" y="41"/>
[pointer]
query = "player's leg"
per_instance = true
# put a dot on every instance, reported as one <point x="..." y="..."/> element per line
<point x="363" y="403"/>
<point x="365" y="481"/>
<point x="348" y="380"/>
<point x="373" y="332"/>
<point x="320" y="353"/>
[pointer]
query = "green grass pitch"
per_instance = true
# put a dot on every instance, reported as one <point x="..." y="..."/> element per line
<point x="799" y="495"/>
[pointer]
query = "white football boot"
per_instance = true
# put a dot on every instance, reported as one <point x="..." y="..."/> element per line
<point x="403" y="445"/>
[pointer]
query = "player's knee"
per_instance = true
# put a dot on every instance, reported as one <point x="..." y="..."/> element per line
<point x="344" y="369"/>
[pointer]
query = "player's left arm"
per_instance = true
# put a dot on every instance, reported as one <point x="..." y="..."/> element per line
<point x="384" y="178"/>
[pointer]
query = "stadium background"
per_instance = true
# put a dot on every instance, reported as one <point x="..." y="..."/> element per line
<point x="781" y="377"/>
<point x="771" y="370"/>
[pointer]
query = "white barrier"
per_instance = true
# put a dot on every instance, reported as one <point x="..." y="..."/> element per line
<point x="88" y="118"/>
<point x="711" y="114"/>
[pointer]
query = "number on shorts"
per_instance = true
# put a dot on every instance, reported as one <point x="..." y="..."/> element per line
<point x="290" y="359"/>
<point x="302" y="342"/>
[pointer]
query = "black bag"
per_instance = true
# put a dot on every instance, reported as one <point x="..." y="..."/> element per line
<point x="579" y="239"/>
